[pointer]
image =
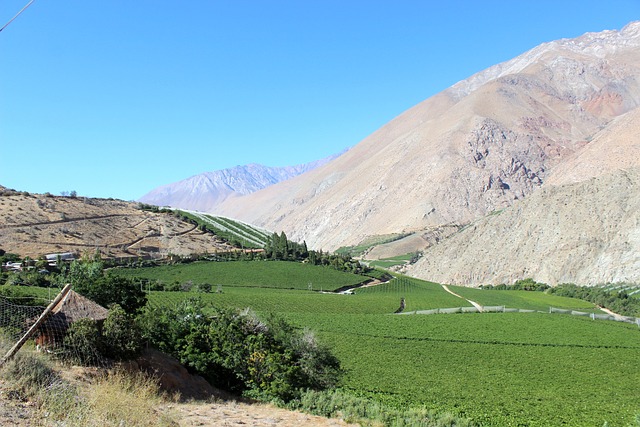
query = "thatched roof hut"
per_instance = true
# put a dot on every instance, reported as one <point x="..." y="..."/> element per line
<point x="75" y="307"/>
<point x="70" y="309"/>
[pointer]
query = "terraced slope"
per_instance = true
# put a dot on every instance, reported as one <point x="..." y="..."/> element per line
<point x="34" y="225"/>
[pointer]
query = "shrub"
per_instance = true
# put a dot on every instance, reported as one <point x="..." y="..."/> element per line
<point x="83" y="343"/>
<point x="239" y="352"/>
<point x="122" y="337"/>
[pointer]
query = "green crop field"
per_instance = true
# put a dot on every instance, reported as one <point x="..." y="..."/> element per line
<point x="523" y="299"/>
<point x="500" y="369"/>
<point x="272" y="274"/>
<point x="232" y="230"/>
<point x="390" y="262"/>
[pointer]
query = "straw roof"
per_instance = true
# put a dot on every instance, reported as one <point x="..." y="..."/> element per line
<point x="75" y="307"/>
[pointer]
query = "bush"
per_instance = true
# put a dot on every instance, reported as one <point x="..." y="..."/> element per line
<point x="88" y="279"/>
<point x="83" y="343"/>
<point x="111" y="289"/>
<point x="239" y="352"/>
<point x="122" y="337"/>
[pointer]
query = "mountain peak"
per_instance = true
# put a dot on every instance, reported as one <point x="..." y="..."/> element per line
<point x="595" y="44"/>
<point x="205" y="191"/>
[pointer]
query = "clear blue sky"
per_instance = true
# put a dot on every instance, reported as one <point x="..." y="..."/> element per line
<point x="113" y="98"/>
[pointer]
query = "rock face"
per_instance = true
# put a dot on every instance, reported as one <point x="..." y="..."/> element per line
<point x="204" y="192"/>
<point x="585" y="233"/>
<point x="583" y="226"/>
<point x="477" y="147"/>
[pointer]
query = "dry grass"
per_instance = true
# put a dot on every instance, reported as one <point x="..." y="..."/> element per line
<point x="113" y="398"/>
<point x="121" y="398"/>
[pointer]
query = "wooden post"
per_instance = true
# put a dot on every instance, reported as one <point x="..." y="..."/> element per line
<point x="33" y="328"/>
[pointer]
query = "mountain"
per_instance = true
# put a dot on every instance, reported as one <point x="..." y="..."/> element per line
<point x="204" y="192"/>
<point x="583" y="226"/>
<point x="478" y="147"/>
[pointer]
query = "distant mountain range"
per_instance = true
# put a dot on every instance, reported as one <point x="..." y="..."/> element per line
<point x="206" y="191"/>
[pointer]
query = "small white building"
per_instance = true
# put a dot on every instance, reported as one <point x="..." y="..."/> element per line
<point x="52" y="259"/>
<point x="12" y="266"/>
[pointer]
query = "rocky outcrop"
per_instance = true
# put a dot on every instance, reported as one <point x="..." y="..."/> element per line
<point x="585" y="233"/>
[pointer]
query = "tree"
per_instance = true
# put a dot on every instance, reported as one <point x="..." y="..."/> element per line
<point x="283" y="246"/>
<point x="88" y="279"/>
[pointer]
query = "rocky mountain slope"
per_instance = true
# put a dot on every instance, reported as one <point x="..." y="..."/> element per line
<point x="472" y="149"/>
<point x="586" y="233"/>
<point x="583" y="226"/>
<point x="205" y="191"/>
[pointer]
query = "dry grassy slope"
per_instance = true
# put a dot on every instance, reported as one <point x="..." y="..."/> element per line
<point x="472" y="149"/>
<point x="34" y="225"/>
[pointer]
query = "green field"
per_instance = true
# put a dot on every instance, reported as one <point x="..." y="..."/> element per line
<point x="523" y="299"/>
<point x="229" y="229"/>
<point x="269" y="274"/>
<point x="390" y="262"/>
<point x="500" y="369"/>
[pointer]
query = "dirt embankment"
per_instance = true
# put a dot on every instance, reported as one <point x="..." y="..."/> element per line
<point x="191" y="400"/>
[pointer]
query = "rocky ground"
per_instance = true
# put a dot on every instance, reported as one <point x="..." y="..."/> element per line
<point x="242" y="414"/>
<point x="14" y="412"/>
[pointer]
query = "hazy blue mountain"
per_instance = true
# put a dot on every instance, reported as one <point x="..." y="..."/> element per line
<point x="205" y="191"/>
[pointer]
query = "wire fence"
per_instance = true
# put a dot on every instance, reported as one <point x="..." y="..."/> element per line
<point x="503" y="309"/>
<point x="67" y="327"/>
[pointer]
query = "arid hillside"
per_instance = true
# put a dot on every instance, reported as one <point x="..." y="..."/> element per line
<point x="34" y="225"/>
<point x="478" y="147"/>
<point x="583" y="226"/>
<point x="586" y="232"/>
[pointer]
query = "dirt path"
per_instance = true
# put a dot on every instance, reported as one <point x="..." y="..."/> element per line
<point x="473" y="303"/>
<point x="242" y="414"/>
<point x="611" y="313"/>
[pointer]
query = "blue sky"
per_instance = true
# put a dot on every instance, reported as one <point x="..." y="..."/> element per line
<point x="113" y="98"/>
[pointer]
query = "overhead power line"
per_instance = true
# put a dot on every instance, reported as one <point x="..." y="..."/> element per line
<point x="17" y="14"/>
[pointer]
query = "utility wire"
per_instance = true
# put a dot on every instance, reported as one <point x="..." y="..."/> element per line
<point x="17" y="14"/>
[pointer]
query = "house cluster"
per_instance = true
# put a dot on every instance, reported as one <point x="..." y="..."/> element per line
<point x="52" y="261"/>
